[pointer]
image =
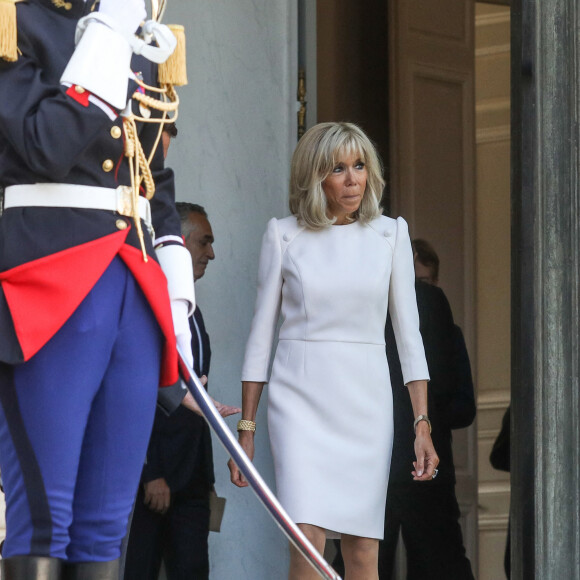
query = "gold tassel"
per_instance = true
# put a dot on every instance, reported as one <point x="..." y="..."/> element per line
<point x="174" y="70"/>
<point x="8" y="35"/>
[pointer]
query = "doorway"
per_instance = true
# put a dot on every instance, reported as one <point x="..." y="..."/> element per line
<point x="405" y="72"/>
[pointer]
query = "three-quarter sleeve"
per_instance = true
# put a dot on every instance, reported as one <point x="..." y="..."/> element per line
<point x="403" y="308"/>
<point x="267" y="309"/>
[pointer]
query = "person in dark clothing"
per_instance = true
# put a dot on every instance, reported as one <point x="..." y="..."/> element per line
<point x="429" y="516"/>
<point x="429" y="519"/>
<point x="500" y="459"/>
<point x="171" y="518"/>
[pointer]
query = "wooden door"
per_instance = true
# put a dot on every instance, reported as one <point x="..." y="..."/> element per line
<point x="419" y="57"/>
<point x="432" y="144"/>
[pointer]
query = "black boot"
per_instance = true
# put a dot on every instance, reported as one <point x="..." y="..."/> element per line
<point x="31" y="568"/>
<point x="92" y="571"/>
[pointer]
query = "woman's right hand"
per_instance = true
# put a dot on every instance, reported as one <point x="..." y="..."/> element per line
<point x="246" y="440"/>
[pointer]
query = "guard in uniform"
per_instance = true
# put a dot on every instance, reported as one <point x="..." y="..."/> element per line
<point x="95" y="283"/>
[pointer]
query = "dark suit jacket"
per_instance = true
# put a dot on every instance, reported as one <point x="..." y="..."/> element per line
<point x="46" y="136"/>
<point x="500" y="453"/>
<point x="450" y="391"/>
<point x="180" y="448"/>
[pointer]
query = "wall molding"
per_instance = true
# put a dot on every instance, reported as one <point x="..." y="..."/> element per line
<point x="493" y="134"/>
<point x="487" y="434"/>
<point x="494" y="505"/>
<point x="493" y="400"/>
<point x="493" y="50"/>
<point x="497" y="523"/>
<point x="502" y="17"/>
<point x="494" y="488"/>
<point x="493" y="105"/>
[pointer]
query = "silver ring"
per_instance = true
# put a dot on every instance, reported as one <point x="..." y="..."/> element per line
<point x="435" y="474"/>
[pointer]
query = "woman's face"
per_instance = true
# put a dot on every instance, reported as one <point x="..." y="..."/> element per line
<point x="345" y="186"/>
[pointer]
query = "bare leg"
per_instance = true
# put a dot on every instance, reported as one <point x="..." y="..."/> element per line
<point x="361" y="557"/>
<point x="300" y="569"/>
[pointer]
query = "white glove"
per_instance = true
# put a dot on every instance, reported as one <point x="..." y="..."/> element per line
<point x="126" y="14"/>
<point x="101" y="61"/>
<point x="175" y="261"/>
<point x="179" y="309"/>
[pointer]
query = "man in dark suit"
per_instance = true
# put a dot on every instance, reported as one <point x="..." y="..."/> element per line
<point x="171" y="518"/>
<point x="428" y="515"/>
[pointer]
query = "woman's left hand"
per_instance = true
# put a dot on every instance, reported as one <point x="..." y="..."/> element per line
<point x="427" y="459"/>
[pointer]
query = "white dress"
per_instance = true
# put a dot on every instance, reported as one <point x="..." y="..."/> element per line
<point x="330" y="408"/>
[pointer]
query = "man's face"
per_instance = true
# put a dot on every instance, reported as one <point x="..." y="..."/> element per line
<point x="424" y="273"/>
<point x="200" y="244"/>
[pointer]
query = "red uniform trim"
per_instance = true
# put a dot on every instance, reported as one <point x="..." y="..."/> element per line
<point x="153" y="283"/>
<point x="44" y="293"/>
<point x="81" y="98"/>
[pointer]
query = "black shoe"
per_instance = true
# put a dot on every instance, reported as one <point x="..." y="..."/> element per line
<point x="31" y="568"/>
<point x="92" y="571"/>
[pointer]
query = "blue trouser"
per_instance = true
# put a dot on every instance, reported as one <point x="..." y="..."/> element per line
<point x="74" y="426"/>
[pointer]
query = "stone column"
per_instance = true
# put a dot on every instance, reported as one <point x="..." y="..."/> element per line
<point x="545" y="451"/>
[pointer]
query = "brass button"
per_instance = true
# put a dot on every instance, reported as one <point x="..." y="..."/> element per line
<point x="115" y="132"/>
<point x="121" y="224"/>
<point x="108" y="165"/>
<point x="79" y="90"/>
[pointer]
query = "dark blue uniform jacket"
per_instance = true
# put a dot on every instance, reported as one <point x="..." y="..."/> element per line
<point x="48" y="137"/>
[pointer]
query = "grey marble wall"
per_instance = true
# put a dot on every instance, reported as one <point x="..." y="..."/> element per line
<point x="237" y="128"/>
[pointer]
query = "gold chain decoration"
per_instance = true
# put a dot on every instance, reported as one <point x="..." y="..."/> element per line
<point x="169" y="104"/>
<point x="170" y="73"/>
<point x="132" y="148"/>
<point x="139" y="163"/>
<point x="62" y="4"/>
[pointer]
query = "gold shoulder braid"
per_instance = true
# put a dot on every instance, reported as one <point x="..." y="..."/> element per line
<point x="62" y="4"/>
<point x="8" y="33"/>
<point x="171" y="73"/>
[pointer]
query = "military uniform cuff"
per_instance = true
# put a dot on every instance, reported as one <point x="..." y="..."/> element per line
<point x="175" y="261"/>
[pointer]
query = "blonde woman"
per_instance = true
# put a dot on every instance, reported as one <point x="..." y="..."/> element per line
<point x="332" y="270"/>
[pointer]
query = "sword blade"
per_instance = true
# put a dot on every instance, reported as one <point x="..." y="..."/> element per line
<point x="246" y="467"/>
<point x="158" y="9"/>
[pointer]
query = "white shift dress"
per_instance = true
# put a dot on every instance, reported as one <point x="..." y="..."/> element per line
<point x="330" y="408"/>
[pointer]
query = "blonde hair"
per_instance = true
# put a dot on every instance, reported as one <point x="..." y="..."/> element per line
<point x="314" y="159"/>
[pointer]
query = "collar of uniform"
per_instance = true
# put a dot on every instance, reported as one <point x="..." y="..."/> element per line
<point x="71" y="8"/>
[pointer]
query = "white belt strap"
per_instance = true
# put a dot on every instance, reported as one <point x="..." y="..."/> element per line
<point x="76" y="196"/>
